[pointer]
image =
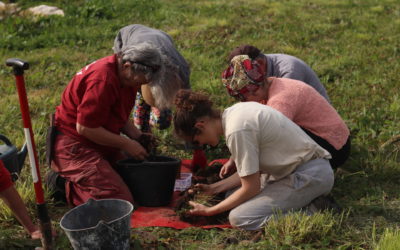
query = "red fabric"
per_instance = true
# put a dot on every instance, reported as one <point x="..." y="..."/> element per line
<point x="88" y="174"/>
<point x="220" y="161"/>
<point x="255" y="72"/>
<point x="95" y="98"/>
<point x="166" y="216"/>
<point x="199" y="159"/>
<point x="5" y="177"/>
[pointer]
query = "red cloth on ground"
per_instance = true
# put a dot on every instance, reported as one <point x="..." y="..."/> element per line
<point x="199" y="159"/>
<point x="166" y="216"/>
<point x="95" y="98"/>
<point x="88" y="174"/>
<point x="5" y="177"/>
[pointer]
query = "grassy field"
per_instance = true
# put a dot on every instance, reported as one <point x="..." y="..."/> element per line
<point x="353" y="45"/>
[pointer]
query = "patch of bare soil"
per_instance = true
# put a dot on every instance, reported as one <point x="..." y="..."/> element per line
<point x="207" y="175"/>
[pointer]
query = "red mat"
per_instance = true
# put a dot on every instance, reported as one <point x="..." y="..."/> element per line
<point x="166" y="216"/>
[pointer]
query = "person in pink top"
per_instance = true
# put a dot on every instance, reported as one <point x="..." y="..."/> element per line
<point x="245" y="79"/>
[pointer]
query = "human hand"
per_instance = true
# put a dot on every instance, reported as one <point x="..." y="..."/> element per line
<point x="199" y="209"/>
<point x="37" y="234"/>
<point x="204" y="188"/>
<point x="227" y="168"/>
<point x="136" y="150"/>
<point x="148" y="141"/>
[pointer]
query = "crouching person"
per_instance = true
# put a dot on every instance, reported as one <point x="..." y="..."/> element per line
<point x="279" y="167"/>
<point x="93" y="113"/>
<point x="153" y="100"/>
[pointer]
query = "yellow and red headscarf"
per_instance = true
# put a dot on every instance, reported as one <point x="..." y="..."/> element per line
<point x="243" y="75"/>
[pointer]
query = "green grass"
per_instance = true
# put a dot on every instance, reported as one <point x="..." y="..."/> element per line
<point x="389" y="240"/>
<point x="353" y="46"/>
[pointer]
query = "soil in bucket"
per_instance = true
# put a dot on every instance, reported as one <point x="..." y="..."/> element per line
<point x="99" y="224"/>
<point x="151" y="182"/>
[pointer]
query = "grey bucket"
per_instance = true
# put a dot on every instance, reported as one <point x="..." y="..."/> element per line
<point x="99" y="224"/>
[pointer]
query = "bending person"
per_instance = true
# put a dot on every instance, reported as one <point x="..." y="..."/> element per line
<point x="282" y="66"/>
<point x="279" y="167"/>
<point x="94" y="111"/>
<point x="154" y="99"/>
<point x="245" y="79"/>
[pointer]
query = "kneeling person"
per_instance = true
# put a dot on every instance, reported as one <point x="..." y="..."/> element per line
<point x="94" y="111"/>
<point x="279" y="167"/>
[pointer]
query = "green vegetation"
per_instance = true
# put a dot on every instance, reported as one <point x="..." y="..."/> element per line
<point x="353" y="46"/>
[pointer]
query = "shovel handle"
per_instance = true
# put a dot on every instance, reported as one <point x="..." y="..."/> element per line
<point x="18" y="65"/>
<point x="45" y="224"/>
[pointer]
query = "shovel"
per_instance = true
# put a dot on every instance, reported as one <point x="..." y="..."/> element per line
<point x="45" y="225"/>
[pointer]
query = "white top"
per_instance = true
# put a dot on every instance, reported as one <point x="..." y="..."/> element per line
<point x="261" y="138"/>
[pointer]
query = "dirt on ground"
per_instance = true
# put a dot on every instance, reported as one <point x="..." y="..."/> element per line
<point x="207" y="175"/>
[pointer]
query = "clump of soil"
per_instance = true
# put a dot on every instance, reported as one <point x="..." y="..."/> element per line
<point x="207" y="175"/>
<point x="182" y="208"/>
<point x="149" y="142"/>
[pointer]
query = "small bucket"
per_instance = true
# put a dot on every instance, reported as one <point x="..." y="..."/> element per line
<point x="152" y="181"/>
<point x="99" y="224"/>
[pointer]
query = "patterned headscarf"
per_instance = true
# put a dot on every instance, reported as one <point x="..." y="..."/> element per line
<point x="243" y="75"/>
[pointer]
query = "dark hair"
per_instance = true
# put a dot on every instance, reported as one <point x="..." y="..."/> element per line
<point x="189" y="107"/>
<point x="249" y="50"/>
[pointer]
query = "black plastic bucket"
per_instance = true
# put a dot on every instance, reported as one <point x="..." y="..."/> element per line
<point x="151" y="182"/>
<point x="99" y="224"/>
